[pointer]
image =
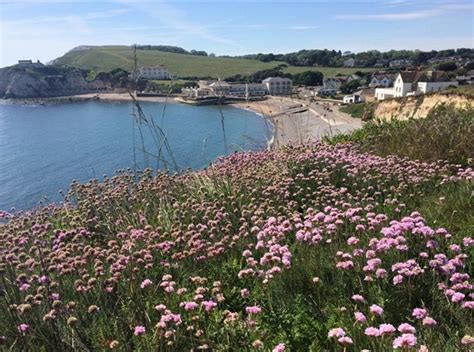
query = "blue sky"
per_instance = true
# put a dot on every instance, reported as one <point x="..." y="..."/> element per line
<point x="47" y="29"/>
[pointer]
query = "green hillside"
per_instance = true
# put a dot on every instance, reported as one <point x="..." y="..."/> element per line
<point x="106" y="58"/>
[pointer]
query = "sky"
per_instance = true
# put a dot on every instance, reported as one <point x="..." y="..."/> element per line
<point x="45" y="30"/>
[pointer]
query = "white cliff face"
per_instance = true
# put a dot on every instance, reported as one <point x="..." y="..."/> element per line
<point x="18" y="82"/>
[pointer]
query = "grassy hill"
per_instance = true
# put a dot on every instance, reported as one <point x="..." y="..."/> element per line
<point x="106" y="58"/>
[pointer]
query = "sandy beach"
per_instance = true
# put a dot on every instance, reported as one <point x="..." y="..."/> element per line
<point x="291" y="125"/>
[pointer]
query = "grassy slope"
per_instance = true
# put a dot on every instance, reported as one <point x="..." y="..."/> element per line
<point x="110" y="57"/>
<point x="355" y="110"/>
<point x="197" y="229"/>
<point x="446" y="133"/>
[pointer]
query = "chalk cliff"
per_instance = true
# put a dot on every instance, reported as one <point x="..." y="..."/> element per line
<point x="45" y="81"/>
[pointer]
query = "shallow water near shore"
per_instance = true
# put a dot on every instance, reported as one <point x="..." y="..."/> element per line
<point x="44" y="148"/>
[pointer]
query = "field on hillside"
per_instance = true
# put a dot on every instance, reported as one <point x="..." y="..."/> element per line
<point x="180" y="65"/>
<point x="311" y="247"/>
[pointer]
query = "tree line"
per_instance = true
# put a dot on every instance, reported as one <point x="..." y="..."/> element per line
<point x="174" y="49"/>
<point x="335" y="58"/>
<point x="307" y="78"/>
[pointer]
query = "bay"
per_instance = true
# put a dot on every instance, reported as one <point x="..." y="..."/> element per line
<point x="44" y="148"/>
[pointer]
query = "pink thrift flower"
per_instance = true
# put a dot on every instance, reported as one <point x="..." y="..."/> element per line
<point x="360" y="317"/>
<point x="253" y="310"/>
<point x="139" y="330"/>
<point x="429" y="321"/>
<point x="23" y="328"/>
<point x="279" y="348"/>
<point x="169" y="289"/>
<point x="457" y="297"/>
<point x="160" y="307"/>
<point x="209" y="305"/>
<point x="419" y="313"/>
<point x="345" y="340"/>
<point x="386" y="329"/>
<point x="24" y="287"/>
<point x="245" y="293"/>
<point x="397" y="280"/>
<point x="376" y="310"/>
<point x="358" y="298"/>
<point x="406" y="329"/>
<point x="247" y="253"/>
<point x="337" y="332"/>
<point x="405" y="341"/>
<point x="371" y="331"/>
<point x="145" y="283"/>
<point x="352" y="241"/>
<point x="190" y="306"/>
<point x="468" y="305"/>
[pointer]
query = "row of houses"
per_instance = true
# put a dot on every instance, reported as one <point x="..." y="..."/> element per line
<point x="377" y="80"/>
<point x="414" y="83"/>
<point x="271" y="85"/>
<point x="398" y="63"/>
<point x="406" y="63"/>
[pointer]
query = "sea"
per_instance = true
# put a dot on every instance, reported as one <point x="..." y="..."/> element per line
<point x="43" y="148"/>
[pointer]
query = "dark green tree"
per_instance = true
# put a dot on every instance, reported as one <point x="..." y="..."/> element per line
<point x="447" y="66"/>
<point x="308" y="78"/>
<point x="350" y="87"/>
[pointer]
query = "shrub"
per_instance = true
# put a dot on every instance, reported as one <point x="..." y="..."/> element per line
<point x="445" y="134"/>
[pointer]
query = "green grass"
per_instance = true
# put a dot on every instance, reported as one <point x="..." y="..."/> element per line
<point x="355" y="110"/>
<point x="107" y="58"/>
<point x="445" y="134"/>
<point x="467" y="91"/>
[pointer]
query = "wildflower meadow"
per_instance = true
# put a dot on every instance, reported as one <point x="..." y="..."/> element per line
<point x="311" y="247"/>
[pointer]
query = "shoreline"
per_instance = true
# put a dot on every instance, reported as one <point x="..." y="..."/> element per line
<point x="109" y="97"/>
<point x="295" y="121"/>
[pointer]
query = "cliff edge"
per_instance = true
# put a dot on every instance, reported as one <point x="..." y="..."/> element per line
<point x="38" y="81"/>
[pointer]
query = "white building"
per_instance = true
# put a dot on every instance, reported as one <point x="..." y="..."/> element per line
<point x="400" y="63"/>
<point x="326" y="92"/>
<point x="381" y="80"/>
<point x="384" y="93"/>
<point x="238" y="90"/>
<point x="352" y="98"/>
<point x="246" y="90"/>
<point x="415" y="82"/>
<point x="349" y="62"/>
<point x="225" y="89"/>
<point x="155" y="72"/>
<point x="278" y="85"/>
<point x="29" y="63"/>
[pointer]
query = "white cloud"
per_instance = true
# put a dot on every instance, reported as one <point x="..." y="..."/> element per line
<point x="173" y="17"/>
<point x="402" y="16"/>
<point x="410" y="15"/>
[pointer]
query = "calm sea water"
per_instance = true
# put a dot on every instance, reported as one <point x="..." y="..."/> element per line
<point x="43" y="148"/>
